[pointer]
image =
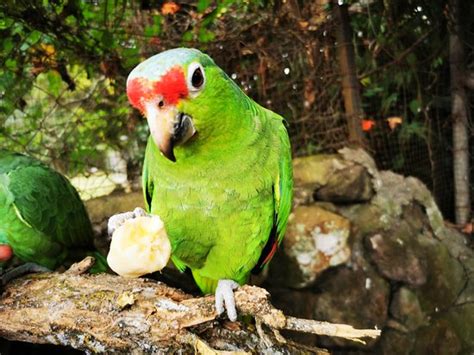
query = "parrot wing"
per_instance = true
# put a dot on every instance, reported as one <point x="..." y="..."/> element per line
<point x="46" y="201"/>
<point x="147" y="182"/>
<point x="283" y="194"/>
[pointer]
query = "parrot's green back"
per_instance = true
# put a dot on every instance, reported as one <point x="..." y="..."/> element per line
<point x="42" y="217"/>
<point x="226" y="200"/>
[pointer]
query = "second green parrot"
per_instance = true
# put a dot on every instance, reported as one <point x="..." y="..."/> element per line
<point x="43" y="221"/>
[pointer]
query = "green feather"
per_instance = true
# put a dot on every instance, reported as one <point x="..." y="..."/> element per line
<point x="230" y="189"/>
<point x="42" y="217"/>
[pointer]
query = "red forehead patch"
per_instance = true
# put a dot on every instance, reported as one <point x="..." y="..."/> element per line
<point x="172" y="87"/>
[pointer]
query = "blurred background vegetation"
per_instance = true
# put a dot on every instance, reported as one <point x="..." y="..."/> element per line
<point x="63" y="66"/>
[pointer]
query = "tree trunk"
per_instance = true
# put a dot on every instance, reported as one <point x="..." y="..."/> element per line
<point x="350" y="85"/>
<point x="459" y="114"/>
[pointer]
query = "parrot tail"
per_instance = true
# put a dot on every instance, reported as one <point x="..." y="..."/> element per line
<point x="100" y="264"/>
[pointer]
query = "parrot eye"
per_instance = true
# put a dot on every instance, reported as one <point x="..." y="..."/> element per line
<point x="196" y="78"/>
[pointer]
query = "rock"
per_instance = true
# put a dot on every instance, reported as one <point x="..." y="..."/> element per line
<point x="352" y="296"/>
<point x="103" y="207"/>
<point x="314" y="170"/>
<point x="461" y="320"/>
<point x="350" y="184"/>
<point x="302" y="196"/>
<point x="361" y="157"/>
<point x="331" y="178"/>
<point x="365" y="217"/>
<point x="395" y="342"/>
<point x="316" y="239"/>
<point x="406" y="309"/>
<point x="445" y="280"/>
<point x="437" y="338"/>
<point x="398" y="255"/>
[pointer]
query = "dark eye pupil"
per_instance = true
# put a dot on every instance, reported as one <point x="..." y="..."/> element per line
<point x="198" y="79"/>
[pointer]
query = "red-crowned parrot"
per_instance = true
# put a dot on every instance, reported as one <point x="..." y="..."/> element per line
<point x="217" y="169"/>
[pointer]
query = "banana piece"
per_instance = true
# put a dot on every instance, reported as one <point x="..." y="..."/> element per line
<point x="139" y="246"/>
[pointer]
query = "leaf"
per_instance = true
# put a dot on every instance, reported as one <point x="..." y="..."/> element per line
<point x="365" y="81"/>
<point x="71" y="20"/>
<point x="5" y="23"/>
<point x="415" y="106"/>
<point x="155" y="28"/>
<point x="107" y="39"/>
<point x="34" y="37"/>
<point x="10" y="64"/>
<point x="188" y="36"/>
<point x="411" y="130"/>
<point x="205" y="35"/>
<point x="24" y="46"/>
<point x="389" y="101"/>
<point x="203" y="5"/>
<point x="54" y="82"/>
<point x="7" y="46"/>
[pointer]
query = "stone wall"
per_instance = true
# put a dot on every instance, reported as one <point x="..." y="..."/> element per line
<point x="370" y="248"/>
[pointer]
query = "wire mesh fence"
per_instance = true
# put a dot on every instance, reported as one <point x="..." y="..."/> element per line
<point x="283" y="56"/>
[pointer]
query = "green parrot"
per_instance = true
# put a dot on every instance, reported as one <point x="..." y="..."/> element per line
<point x="43" y="222"/>
<point x="217" y="169"/>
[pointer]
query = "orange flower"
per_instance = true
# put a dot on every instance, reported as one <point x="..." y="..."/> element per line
<point x="169" y="8"/>
<point x="367" y="125"/>
<point x="393" y="122"/>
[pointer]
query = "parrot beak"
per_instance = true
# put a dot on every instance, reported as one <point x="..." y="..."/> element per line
<point x="168" y="127"/>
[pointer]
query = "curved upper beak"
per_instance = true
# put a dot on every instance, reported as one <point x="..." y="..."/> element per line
<point x="168" y="127"/>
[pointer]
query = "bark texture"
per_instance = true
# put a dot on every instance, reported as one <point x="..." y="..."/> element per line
<point x="105" y="313"/>
<point x="350" y="85"/>
<point x="460" y="117"/>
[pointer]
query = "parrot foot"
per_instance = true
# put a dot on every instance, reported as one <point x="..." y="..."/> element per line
<point x="118" y="219"/>
<point x="225" y="296"/>
<point x="21" y="270"/>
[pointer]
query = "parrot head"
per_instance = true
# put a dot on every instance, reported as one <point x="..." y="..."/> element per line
<point x="174" y="91"/>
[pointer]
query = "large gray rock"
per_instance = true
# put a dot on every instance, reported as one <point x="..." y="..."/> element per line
<point x="398" y="255"/>
<point x="405" y="308"/>
<point x="356" y="296"/>
<point x="316" y="239"/>
<point x="331" y="178"/>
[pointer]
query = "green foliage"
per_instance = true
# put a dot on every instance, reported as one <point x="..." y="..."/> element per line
<point x="63" y="71"/>
<point x="63" y="66"/>
<point x="395" y="41"/>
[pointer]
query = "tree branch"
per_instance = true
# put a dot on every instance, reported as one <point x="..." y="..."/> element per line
<point x="399" y="58"/>
<point x="469" y="80"/>
<point x="103" y="312"/>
